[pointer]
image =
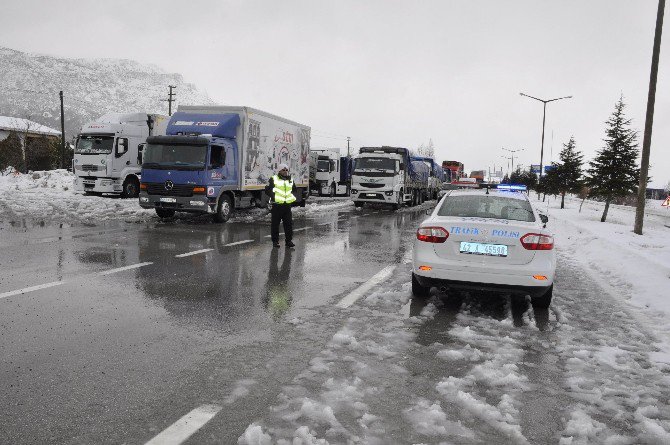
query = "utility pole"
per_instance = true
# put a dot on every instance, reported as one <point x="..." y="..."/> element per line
<point x="348" y="139"/>
<point x="170" y="99"/>
<point x="649" y="121"/>
<point x="62" y="132"/>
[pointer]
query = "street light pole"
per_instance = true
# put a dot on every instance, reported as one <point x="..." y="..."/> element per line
<point x="512" y="151"/>
<point x="544" y="115"/>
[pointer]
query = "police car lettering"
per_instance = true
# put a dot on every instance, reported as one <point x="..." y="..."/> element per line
<point x="505" y="233"/>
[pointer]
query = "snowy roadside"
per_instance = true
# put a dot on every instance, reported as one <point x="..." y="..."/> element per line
<point x="50" y="196"/>
<point x="632" y="268"/>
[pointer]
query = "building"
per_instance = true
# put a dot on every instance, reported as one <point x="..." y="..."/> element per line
<point x="25" y="129"/>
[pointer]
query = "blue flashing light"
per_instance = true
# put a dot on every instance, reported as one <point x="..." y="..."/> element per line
<point x="512" y="187"/>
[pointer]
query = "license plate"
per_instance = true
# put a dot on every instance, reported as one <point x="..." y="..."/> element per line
<point x="168" y="200"/>
<point x="483" y="249"/>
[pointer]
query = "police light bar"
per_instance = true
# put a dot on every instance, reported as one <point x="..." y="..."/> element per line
<point x="512" y="187"/>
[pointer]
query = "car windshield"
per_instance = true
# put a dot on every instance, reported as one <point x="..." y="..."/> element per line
<point x="93" y="145"/>
<point x="175" y="157"/>
<point x="375" y="163"/>
<point x="487" y="206"/>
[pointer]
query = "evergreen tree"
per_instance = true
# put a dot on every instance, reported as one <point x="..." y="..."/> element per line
<point x="614" y="172"/>
<point x="569" y="170"/>
<point x="11" y="153"/>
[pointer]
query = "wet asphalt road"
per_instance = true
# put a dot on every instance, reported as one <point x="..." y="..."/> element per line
<point x="115" y="356"/>
<point x="144" y="322"/>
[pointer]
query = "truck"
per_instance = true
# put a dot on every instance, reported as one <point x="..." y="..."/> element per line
<point x="388" y="175"/>
<point x="457" y="169"/>
<point x="217" y="159"/>
<point x="436" y="177"/>
<point x="108" y="152"/>
<point x="479" y="175"/>
<point x="330" y="173"/>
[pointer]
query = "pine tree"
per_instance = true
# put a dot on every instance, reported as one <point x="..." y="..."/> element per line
<point x="569" y="170"/>
<point x="11" y="153"/>
<point x="549" y="183"/>
<point x="614" y="172"/>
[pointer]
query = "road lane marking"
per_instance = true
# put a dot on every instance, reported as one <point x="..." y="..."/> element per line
<point x="25" y="290"/>
<point x="185" y="427"/>
<point x="363" y="288"/>
<point x="294" y="230"/>
<point x="239" y="242"/>
<point x="121" y="269"/>
<point x="195" y="252"/>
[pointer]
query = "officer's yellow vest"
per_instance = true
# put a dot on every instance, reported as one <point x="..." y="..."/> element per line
<point x="283" y="190"/>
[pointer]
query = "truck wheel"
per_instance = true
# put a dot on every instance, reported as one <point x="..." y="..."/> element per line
<point x="223" y="210"/>
<point x="358" y="203"/>
<point x="164" y="213"/>
<point x="418" y="290"/>
<point x="131" y="187"/>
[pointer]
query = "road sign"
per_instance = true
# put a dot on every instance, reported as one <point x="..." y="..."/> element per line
<point x="548" y="168"/>
<point x="535" y="168"/>
<point x="666" y="203"/>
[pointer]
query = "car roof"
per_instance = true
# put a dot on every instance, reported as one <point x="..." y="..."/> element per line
<point x="492" y="192"/>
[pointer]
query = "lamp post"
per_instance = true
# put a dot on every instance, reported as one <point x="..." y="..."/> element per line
<point x="508" y="158"/>
<point x="544" y="115"/>
<point x="512" y="151"/>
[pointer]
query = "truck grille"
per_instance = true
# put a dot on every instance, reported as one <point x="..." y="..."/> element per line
<point x="371" y="185"/>
<point x="90" y="167"/>
<point x="158" y="188"/>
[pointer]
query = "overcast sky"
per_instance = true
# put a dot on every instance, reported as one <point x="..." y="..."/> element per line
<point x="389" y="72"/>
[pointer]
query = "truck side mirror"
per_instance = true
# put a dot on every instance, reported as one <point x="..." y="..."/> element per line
<point x="121" y="146"/>
<point x="140" y="152"/>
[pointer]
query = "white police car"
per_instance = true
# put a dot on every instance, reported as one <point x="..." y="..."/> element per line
<point x="488" y="241"/>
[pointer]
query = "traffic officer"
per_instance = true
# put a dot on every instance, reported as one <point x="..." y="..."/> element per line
<point x="281" y="190"/>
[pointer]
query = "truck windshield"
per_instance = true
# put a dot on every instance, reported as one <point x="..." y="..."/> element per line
<point x="322" y="165"/>
<point x="375" y="164"/>
<point x="93" y="145"/>
<point x="175" y="157"/>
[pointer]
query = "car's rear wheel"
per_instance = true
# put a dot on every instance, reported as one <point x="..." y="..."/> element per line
<point x="543" y="301"/>
<point x="418" y="290"/>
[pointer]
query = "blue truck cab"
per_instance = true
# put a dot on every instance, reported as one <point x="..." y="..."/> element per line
<point x="216" y="159"/>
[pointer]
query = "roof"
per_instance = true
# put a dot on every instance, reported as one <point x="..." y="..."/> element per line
<point x="21" y="125"/>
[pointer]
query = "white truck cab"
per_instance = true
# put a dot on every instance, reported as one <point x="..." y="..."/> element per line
<point x="328" y="167"/>
<point x="108" y="152"/>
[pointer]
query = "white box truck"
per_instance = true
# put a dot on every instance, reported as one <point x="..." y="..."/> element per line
<point x="108" y="152"/>
<point x="330" y="173"/>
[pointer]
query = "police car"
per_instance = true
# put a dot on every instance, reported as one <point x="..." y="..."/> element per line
<point x="485" y="240"/>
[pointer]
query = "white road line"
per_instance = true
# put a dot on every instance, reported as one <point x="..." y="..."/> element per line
<point x="185" y="427"/>
<point x="363" y="288"/>
<point x="302" y="228"/>
<point x="195" y="252"/>
<point x="268" y="236"/>
<point x="25" y="290"/>
<point x="240" y="242"/>
<point x="121" y="269"/>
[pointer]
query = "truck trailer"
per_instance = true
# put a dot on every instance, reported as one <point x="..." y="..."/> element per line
<point x="215" y="159"/>
<point x="108" y="152"/>
<point x="388" y="175"/>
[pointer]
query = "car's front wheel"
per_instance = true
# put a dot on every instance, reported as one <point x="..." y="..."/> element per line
<point x="418" y="290"/>
<point x="543" y="301"/>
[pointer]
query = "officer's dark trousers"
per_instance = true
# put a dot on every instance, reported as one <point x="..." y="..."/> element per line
<point x="281" y="212"/>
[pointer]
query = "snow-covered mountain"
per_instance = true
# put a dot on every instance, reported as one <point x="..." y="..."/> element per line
<point x="91" y="87"/>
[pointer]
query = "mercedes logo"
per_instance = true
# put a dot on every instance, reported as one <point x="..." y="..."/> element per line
<point x="169" y="185"/>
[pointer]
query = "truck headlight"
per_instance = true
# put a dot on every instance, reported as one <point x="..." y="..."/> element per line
<point x="354" y="191"/>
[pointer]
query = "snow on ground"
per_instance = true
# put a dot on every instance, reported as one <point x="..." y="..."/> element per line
<point x="50" y="195"/>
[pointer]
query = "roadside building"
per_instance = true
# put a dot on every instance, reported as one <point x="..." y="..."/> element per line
<point x="25" y="129"/>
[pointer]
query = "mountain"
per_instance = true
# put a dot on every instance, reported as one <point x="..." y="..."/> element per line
<point x="91" y="87"/>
